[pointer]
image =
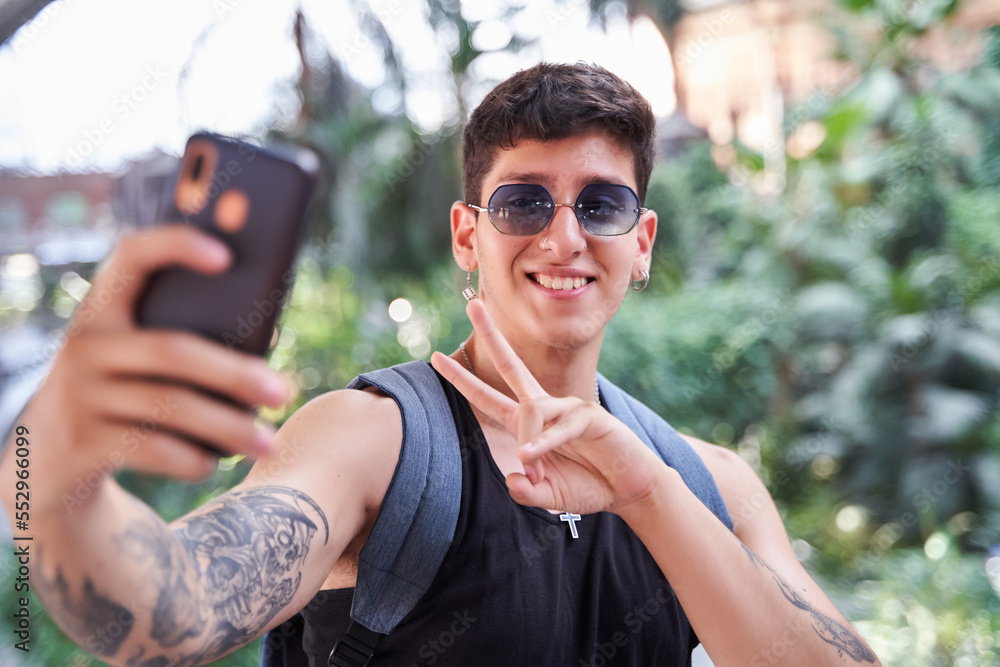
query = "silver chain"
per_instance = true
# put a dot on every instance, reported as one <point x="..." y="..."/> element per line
<point x="468" y="362"/>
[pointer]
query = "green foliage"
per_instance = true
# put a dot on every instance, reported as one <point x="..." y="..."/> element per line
<point x="869" y="386"/>
<point x="331" y="333"/>
<point x="701" y="356"/>
<point x="881" y="260"/>
<point x="841" y="334"/>
<point x="926" y="611"/>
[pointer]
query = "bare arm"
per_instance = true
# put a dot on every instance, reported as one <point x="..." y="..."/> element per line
<point x="750" y="576"/>
<point x="577" y="457"/>
<point x="125" y="585"/>
<point x="759" y="527"/>
<point x="145" y="593"/>
<point x="119" y="580"/>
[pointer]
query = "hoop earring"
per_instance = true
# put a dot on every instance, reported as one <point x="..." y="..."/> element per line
<point x="469" y="292"/>
<point x="645" y="281"/>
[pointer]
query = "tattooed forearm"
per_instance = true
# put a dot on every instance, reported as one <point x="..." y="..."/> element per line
<point x="829" y="630"/>
<point x="218" y="577"/>
<point x="155" y="550"/>
<point x="96" y="623"/>
<point x="248" y="550"/>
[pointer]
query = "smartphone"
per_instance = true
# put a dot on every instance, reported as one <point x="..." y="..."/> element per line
<point x="253" y="199"/>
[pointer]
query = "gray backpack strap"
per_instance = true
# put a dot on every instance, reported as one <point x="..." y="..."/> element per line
<point x="416" y="522"/>
<point x="667" y="442"/>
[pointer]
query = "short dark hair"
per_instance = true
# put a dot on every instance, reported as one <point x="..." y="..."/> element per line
<point x="554" y="101"/>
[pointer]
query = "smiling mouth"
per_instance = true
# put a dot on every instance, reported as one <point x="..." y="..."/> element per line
<point x="564" y="283"/>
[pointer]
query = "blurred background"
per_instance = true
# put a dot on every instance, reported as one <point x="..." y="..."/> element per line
<point x="825" y="296"/>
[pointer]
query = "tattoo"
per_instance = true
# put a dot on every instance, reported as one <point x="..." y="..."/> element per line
<point x="158" y="552"/>
<point x="99" y="625"/>
<point x="826" y="628"/>
<point x="249" y="550"/>
<point x="241" y="556"/>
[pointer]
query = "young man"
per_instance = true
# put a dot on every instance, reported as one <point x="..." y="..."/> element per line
<point x="556" y="160"/>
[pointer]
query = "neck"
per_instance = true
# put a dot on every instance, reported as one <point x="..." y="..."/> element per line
<point x="560" y="372"/>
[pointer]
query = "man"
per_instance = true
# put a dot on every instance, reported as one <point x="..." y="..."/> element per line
<point x="556" y="160"/>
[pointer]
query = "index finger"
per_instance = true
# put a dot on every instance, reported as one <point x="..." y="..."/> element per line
<point x="508" y="364"/>
<point x="497" y="406"/>
<point x="120" y="279"/>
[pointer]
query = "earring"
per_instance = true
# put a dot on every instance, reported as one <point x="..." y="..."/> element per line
<point x="638" y="287"/>
<point x="545" y="242"/>
<point x="469" y="292"/>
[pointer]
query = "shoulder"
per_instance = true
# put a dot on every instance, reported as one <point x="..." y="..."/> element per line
<point x="363" y="409"/>
<point x="349" y="438"/>
<point x="742" y="490"/>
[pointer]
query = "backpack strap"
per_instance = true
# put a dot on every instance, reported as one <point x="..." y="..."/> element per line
<point x="355" y="648"/>
<point x="416" y="522"/>
<point x="663" y="439"/>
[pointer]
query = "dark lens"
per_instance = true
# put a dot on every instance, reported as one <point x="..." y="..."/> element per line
<point x="606" y="209"/>
<point x="521" y="209"/>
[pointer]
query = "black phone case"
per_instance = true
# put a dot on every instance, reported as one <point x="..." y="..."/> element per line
<point x="239" y="307"/>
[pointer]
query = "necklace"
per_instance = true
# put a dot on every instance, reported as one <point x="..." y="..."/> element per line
<point x="468" y="364"/>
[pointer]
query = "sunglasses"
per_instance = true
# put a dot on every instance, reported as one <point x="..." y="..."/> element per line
<point x="524" y="209"/>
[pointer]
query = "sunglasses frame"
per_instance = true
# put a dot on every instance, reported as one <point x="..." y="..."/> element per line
<point x="489" y="208"/>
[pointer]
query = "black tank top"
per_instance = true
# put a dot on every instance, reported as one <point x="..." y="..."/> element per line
<point x="516" y="588"/>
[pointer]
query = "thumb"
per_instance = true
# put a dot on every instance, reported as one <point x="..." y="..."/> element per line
<point x="525" y="493"/>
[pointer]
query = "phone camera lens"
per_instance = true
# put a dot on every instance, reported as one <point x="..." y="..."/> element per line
<point x="196" y="168"/>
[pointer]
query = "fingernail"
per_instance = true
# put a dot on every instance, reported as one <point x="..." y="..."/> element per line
<point x="275" y="389"/>
<point x="530" y="473"/>
<point x="217" y="249"/>
<point x="264" y="437"/>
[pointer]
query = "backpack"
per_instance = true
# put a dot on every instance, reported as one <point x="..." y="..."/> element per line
<point x="416" y="522"/>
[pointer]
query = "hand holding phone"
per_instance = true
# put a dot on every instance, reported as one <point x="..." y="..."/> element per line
<point x="255" y="201"/>
<point x="156" y="401"/>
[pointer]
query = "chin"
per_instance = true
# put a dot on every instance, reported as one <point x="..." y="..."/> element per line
<point x="574" y="335"/>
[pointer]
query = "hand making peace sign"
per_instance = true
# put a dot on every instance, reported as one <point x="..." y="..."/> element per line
<point x="577" y="456"/>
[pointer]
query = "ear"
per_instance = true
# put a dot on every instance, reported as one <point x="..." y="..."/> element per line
<point x="463" y="236"/>
<point x="646" y="234"/>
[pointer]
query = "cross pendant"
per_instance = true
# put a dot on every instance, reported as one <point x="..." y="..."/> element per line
<point x="571" y="519"/>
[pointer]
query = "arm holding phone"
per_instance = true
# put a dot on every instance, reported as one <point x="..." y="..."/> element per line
<point x="108" y="562"/>
<point x="158" y="374"/>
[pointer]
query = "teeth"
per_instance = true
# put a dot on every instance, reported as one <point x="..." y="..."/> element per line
<point x="557" y="283"/>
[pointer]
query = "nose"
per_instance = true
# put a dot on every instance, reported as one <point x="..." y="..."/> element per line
<point x="564" y="233"/>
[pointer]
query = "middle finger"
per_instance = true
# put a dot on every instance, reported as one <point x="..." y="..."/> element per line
<point x="186" y="358"/>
